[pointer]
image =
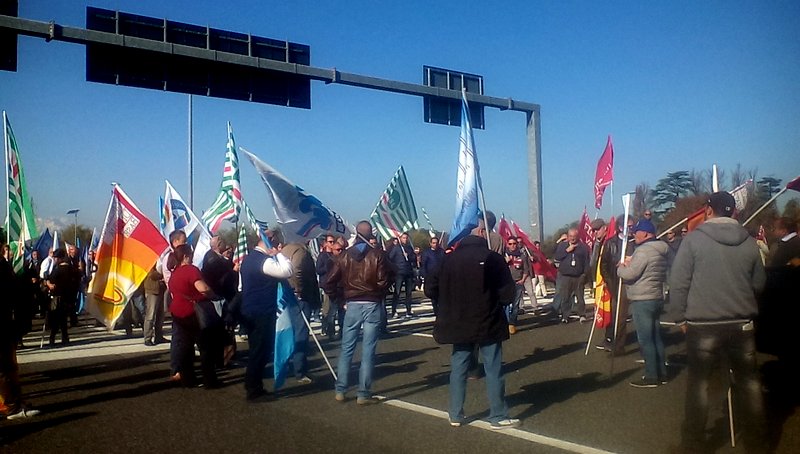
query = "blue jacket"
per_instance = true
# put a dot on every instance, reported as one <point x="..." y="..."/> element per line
<point x="259" y="291"/>
<point x="403" y="264"/>
<point x="430" y="261"/>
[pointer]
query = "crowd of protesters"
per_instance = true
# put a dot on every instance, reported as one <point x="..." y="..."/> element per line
<point x="708" y="282"/>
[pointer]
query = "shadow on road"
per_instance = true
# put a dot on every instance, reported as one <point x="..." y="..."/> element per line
<point x="16" y="430"/>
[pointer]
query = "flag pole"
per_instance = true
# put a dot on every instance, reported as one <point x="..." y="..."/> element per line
<point x="765" y="205"/>
<point x="674" y="226"/>
<point x="8" y="199"/>
<point x="626" y="204"/>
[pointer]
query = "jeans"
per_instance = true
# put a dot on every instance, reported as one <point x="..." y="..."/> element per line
<point x="529" y="289"/>
<point x="512" y="310"/>
<point x="185" y="335"/>
<point x="154" y="317"/>
<point x="648" y="332"/>
<point x="492" y="356"/>
<point x="735" y="345"/>
<point x="399" y="280"/>
<point x="358" y="314"/>
<point x="260" y="340"/>
<point x="300" y="355"/>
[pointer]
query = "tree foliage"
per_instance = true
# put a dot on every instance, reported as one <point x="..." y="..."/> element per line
<point x="668" y="190"/>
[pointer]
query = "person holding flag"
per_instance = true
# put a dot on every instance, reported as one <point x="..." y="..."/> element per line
<point x="260" y="273"/>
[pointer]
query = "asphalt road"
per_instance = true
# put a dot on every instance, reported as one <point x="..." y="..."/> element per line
<point x="107" y="392"/>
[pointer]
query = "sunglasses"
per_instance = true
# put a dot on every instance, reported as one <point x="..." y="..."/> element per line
<point x="512" y="243"/>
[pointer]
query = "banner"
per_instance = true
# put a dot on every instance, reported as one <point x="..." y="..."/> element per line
<point x="395" y="212"/>
<point x="129" y="246"/>
<point x="301" y="216"/>
<point x="467" y="180"/>
<point x="178" y="216"/>
<point x="604" y="174"/>
<point x="20" y="224"/>
<point x="228" y="205"/>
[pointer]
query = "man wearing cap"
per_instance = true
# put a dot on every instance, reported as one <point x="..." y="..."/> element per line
<point x="644" y="275"/>
<point x="714" y="281"/>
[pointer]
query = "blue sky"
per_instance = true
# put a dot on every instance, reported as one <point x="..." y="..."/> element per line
<point x="679" y="85"/>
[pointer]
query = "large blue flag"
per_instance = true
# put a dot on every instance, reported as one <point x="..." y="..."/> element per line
<point x="468" y="181"/>
<point x="44" y="244"/>
<point x="300" y="215"/>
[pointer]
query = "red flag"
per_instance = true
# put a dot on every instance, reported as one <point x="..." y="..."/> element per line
<point x="503" y="229"/>
<point x="540" y="264"/>
<point x="585" y="234"/>
<point x="604" y="174"/>
<point x="611" y="232"/>
<point x="695" y="219"/>
<point x="794" y="184"/>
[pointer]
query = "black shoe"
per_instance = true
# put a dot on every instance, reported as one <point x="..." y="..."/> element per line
<point x="161" y="340"/>
<point x="149" y="343"/>
<point x="603" y="347"/>
<point x="262" y="395"/>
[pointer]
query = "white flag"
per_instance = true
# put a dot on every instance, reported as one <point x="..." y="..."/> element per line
<point x="178" y="216"/>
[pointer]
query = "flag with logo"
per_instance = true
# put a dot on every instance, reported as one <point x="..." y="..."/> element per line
<point x="178" y="216"/>
<point x="544" y="266"/>
<point x="468" y="180"/>
<point x="228" y="205"/>
<point x="604" y="174"/>
<point x="20" y="224"/>
<point x="300" y="215"/>
<point x="602" y="296"/>
<point x="585" y="234"/>
<point x="504" y="229"/>
<point x="395" y="212"/>
<point x="129" y="246"/>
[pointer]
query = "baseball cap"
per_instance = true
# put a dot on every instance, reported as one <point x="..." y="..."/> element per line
<point x="722" y="203"/>
<point x="644" y="225"/>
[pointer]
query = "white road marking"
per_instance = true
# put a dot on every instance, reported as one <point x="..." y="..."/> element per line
<point x="516" y="433"/>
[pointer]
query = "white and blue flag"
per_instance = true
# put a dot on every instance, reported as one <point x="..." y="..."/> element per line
<point x="300" y="215"/>
<point x="468" y="180"/>
<point x="178" y="216"/>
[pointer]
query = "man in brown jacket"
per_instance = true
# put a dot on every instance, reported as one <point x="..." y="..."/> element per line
<point x="363" y="273"/>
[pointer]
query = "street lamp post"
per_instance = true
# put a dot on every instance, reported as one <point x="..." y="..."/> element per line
<point x="75" y="212"/>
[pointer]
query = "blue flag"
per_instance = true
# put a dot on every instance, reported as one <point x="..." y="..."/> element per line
<point x="43" y="244"/>
<point x="468" y="180"/>
<point x="284" y="333"/>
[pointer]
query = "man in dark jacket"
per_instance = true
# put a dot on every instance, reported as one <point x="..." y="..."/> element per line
<point x="713" y="286"/>
<point x="431" y="259"/>
<point x="404" y="260"/>
<point x="610" y="259"/>
<point x="573" y="258"/>
<point x="363" y="273"/>
<point x="473" y="284"/>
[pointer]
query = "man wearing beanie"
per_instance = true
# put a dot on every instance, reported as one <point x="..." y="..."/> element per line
<point x="714" y="281"/>
<point x="644" y="275"/>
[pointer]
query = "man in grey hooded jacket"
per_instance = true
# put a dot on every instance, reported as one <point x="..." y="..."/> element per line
<point x="644" y="275"/>
<point x="714" y="281"/>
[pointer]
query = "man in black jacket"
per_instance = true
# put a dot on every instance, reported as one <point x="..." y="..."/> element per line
<point x="472" y="285"/>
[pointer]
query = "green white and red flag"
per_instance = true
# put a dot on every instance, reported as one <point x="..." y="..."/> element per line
<point x="20" y="224"/>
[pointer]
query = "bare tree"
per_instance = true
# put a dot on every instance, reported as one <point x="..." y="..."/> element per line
<point x="699" y="184"/>
<point x="738" y="176"/>
<point x="642" y="198"/>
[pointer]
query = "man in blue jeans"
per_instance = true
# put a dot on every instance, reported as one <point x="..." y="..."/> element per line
<point x="644" y="275"/>
<point x="362" y="273"/>
<point x="473" y="284"/>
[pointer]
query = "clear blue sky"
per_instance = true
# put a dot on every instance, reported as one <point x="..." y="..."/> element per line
<point x="679" y="85"/>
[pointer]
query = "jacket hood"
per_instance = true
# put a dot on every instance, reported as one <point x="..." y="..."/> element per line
<point x="359" y="251"/>
<point x="725" y="231"/>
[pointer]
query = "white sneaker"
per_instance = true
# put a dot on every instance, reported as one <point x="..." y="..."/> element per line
<point x="505" y="424"/>
<point x="23" y="413"/>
